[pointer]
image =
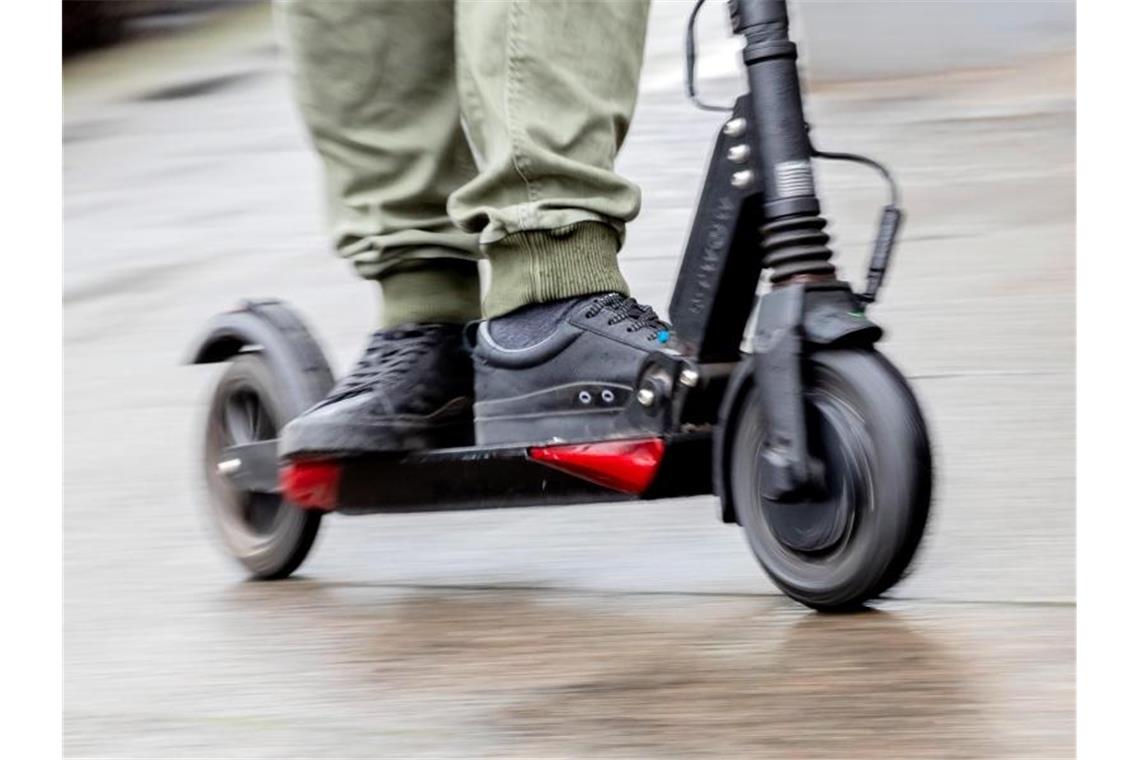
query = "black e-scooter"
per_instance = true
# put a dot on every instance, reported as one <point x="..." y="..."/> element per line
<point x="811" y="439"/>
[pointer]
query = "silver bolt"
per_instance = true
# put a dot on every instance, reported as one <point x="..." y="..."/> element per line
<point x="646" y="397"/>
<point x="735" y="127"/>
<point x="689" y="377"/>
<point x="738" y="154"/>
<point x="742" y="179"/>
<point x="229" y="466"/>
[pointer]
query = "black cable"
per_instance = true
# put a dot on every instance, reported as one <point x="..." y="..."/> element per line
<point x="858" y="159"/>
<point x="691" y="63"/>
<point x="890" y="221"/>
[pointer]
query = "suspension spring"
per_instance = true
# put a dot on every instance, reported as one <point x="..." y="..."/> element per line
<point x="796" y="245"/>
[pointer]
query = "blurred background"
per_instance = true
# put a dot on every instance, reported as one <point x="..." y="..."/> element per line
<point x="613" y="631"/>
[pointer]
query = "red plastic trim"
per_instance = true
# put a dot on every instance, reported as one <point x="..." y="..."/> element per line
<point x="312" y="484"/>
<point x="626" y="466"/>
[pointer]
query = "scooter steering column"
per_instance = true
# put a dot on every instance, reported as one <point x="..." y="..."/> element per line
<point x="793" y="240"/>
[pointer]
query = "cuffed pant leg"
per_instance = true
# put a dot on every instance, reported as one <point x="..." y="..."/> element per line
<point x="375" y="82"/>
<point x="548" y="90"/>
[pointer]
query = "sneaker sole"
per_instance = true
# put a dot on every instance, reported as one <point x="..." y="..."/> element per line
<point x="313" y="437"/>
<point x="545" y="427"/>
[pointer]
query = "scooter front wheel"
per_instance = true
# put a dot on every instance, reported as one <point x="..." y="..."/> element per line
<point x="853" y="540"/>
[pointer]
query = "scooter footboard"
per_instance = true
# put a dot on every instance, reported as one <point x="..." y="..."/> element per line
<point x="484" y="477"/>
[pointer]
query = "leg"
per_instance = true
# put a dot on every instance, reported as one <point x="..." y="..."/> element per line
<point x="547" y="91"/>
<point x="375" y="81"/>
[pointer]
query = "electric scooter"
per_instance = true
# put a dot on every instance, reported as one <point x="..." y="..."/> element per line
<point x="808" y="436"/>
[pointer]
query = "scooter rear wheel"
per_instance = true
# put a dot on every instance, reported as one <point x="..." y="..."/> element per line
<point x="265" y="533"/>
<point x="837" y="550"/>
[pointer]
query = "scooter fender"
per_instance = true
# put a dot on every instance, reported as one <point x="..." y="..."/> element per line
<point x="272" y="329"/>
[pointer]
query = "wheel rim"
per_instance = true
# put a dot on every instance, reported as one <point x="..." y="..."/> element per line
<point x="839" y="436"/>
<point x="241" y="417"/>
<point x="819" y="526"/>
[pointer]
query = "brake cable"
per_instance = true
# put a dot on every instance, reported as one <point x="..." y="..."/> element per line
<point x="691" y="63"/>
<point x="890" y="220"/>
<point x="891" y="216"/>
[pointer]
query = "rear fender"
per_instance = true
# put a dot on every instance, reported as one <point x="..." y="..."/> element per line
<point x="273" y="330"/>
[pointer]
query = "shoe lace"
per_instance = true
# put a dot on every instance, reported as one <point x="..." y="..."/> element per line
<point x="387" y="357"/>
<point x="624" y="308"/>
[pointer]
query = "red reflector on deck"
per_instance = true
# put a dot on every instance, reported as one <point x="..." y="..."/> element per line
<point x="627" y="466"/>
<point x="312" y="484"/>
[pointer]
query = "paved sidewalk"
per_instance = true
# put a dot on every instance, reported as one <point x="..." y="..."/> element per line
<point x="612" y="631"/>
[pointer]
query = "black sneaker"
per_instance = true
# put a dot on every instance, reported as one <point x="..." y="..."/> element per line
<point x="572" y="384"/>
<point x="412" y="389"/>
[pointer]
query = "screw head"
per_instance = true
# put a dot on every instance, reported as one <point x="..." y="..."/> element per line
<point x="742" y="179"/>
<point x="689" y="377"/>
<point x="738" y="154"/>
<point x="735" y="127"/>
<point x="646" y="397"/>
<point x="229" y="466"/>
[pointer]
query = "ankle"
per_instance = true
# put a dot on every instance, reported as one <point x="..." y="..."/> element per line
<point x="430" y="291"/>
<point x="530" y="324"/>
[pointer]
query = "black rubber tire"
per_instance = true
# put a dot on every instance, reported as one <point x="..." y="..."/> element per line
<point x="267" y="554"/>
<point x="872" y="410"/>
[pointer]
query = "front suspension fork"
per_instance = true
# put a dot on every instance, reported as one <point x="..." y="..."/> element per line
<point x="759" y="210"/>
<point x="808" y="307"/>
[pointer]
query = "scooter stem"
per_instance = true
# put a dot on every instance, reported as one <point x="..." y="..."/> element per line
<point x="793" y="239"/>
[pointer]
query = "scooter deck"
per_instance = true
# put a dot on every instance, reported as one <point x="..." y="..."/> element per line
<point x="482" y="477"/>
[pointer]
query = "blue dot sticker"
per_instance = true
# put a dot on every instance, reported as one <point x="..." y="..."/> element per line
<point x="662" y="336"/>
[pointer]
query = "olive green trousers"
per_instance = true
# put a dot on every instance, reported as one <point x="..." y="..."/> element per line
<point x="453" y="129"/>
